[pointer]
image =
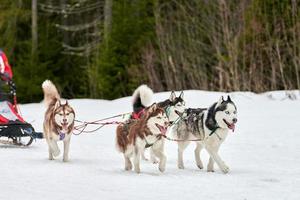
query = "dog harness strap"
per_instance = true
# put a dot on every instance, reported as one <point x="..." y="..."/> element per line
<point x="167" y="110"/>
<point x="214" y="132"/>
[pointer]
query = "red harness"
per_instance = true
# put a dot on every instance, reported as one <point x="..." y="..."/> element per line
<point x="137" y="115"/>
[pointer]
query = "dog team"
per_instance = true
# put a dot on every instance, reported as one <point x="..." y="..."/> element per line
<point x="147" y="128"/>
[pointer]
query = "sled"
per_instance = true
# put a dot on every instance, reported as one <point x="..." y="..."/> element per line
<point x="12" y="125"/>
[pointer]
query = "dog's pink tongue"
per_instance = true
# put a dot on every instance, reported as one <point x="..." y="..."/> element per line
<point x="163" y="130"/>
<point x="232" y="127"/>
<point x="65" y="127"/>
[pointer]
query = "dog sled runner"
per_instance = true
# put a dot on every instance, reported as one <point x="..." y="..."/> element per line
<point x="13" y="127"/>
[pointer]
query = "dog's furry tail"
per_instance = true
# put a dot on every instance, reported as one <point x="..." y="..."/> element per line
<point x="141" y="98"/>
<point x="50" y="92"/>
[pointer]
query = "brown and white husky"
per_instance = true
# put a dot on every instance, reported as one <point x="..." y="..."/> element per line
<point x="58" y="122"/>
<point x="134" y="136"/>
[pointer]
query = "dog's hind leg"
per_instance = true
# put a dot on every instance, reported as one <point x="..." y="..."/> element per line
<point x="198" y="149"/>
<point x="66" y="150"/>
<point x="181" y="147"/>
<point x="128" y="165"/>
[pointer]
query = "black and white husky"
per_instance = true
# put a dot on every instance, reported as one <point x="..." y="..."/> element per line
<point x="174" y="107"/>
<point x="210" y="128"/>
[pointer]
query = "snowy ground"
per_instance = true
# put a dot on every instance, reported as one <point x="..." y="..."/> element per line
<point x="262" y="154"/>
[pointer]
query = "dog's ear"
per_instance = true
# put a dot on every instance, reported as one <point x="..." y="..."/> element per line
<point x="153" y="107"/>
<point x="172" y="96"/>
<point x="57" y="104"/>
<point x="181" y="95"/>
<point x="221" y="100"/>
<point x="229" y="99"/>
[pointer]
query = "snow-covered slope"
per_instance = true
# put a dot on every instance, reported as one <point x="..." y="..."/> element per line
<point x="263" y="155"/>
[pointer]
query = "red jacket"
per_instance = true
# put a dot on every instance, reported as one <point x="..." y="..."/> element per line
<point x="5" y="69"/>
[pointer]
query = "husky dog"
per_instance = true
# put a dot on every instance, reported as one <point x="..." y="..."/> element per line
<point x="209" y="126"/>
<point x="142" y="97"/>
<point x="58" y="122"/>
<point x="133" y="137"/>
<point x="174" y="107"/>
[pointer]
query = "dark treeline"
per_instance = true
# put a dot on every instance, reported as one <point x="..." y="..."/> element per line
<point x="106" y="48"/>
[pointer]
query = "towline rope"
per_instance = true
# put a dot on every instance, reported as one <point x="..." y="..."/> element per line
<point x="81" y="128"/>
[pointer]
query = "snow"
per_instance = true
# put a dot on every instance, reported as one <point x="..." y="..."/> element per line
<point x="262" y="154"/>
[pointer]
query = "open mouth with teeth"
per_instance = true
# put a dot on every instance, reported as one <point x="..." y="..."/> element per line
<point x="162" y="129"/>
<point x="230" y="125"/>
<point x="64" y="125"/>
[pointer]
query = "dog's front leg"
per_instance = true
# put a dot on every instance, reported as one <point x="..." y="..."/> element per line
<point x="152" y="156"/>
<point x="66" y="150"/>
<point x="143" y="155"/>
<point x="53" y="147"/>
<point x="213" y="152"/>
<point x="50" y="152"/>
<point x="158" y="150"/>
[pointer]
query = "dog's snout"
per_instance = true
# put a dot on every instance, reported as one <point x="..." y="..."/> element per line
<point x="64" y="120"/>
<point x="167" y="123"/>
<point x="234" y="120"/>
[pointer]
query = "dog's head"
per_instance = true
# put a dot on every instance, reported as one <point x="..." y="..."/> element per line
<point x="64" y="115"/>
<point x="226" y="113"/>
<point x="157" y="120"/>
<point x="176" y="106"/>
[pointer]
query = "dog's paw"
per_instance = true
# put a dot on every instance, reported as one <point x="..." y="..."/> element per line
<point x="154" y="161"/>
<point x="210" y="170"/>
<point x="128" y="167"/>
<point x="137" y="170"/>
<point x="200" y="166"/>
<point x="144" y="158"/>
<point x="56" y="153"/>
<point x="225" y="169"/>
<point x="162" y="169"/>
<point x="180" y="166"/>
<point x="65" y="159"/>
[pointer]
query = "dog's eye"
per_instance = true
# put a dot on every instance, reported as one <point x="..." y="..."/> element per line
<point x="60" y="114"/>
<point x="227" y="112"/>
<point x="234" y="112"/>
<point x="178" y="105"/>
<point x="158" y="117"/>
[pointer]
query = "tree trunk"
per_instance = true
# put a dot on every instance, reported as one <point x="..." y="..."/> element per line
<point x="34" y="27"/>
<point x="107" y="18"/>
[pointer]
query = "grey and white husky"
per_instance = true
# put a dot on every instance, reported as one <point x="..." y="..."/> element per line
<point x="210" y="128"/>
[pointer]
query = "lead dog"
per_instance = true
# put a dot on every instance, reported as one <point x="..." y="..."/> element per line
<point x="135" y="135"/>
<point x="58" y="122"/>
<point x="209" y="126"/>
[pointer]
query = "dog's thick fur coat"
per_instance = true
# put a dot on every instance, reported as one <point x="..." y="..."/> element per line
<point x="134" y="136"/>
<point x="58" y="122"/>
<point x="211" y="127"/>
